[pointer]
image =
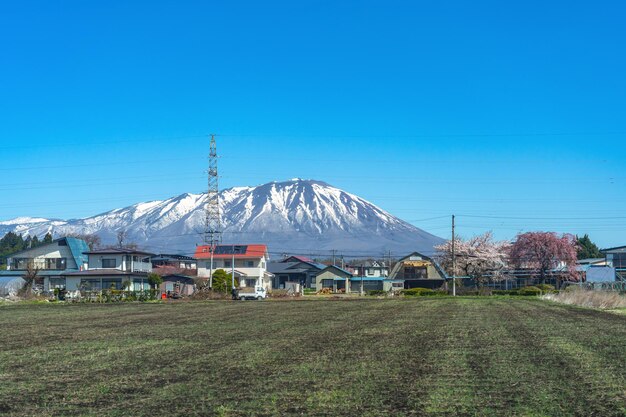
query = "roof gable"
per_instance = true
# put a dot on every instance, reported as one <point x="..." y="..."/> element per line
<point x="336" y="269"/>
<point x="295" y="258"/>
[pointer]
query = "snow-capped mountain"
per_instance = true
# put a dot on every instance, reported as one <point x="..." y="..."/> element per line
<point x="296" y="217"/>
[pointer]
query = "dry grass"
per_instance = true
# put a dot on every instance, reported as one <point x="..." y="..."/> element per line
<point x="586" y="298"/>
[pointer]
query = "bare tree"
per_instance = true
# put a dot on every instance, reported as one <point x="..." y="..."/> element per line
<point x="30" y="276"/>
<point x="121" y="238"/>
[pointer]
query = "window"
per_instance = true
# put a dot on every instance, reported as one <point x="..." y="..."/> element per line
<point x="109" y="263"/>
<point x="141" y="285"/>
<point x="112" y="284"/>
<point x="57" y="283"/>
<point x="90" y="284"/>
<point x="20" y="263"/>
<point x="412" y="272"/>
<point x="619" y="260"/>
<point x="250" y="264"/>
<point x="56" y="263"/>
<point x="228" y="264"/>
<point x="328" y="283"/>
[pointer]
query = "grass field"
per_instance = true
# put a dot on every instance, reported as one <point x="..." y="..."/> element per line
<point x="440" y="356"/>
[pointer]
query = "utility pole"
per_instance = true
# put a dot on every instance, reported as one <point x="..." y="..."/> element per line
<point x="233" y="269"/>
<point x="453" y="260"/>
<point x="362" y="275"/>
<point x="334" y="262"/>
<point x="211" y="270"/>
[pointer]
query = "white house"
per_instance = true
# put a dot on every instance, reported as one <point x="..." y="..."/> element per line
<point x="110" y="268"/>
<point x="51" y="261"/>
<point x="250" y="263"/>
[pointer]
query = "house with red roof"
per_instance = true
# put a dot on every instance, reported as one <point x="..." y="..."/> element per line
<point x="248" y="262"/>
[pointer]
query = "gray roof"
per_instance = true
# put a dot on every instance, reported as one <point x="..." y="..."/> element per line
<point x="290" y="267"/>
<point x="116" y="251"/>
<point x="336" y="268"/>
<point x="615" y="249"/>
<point x="590" y="261"/>
<point x="103" y="272"/>
<point x="168" y="257"/>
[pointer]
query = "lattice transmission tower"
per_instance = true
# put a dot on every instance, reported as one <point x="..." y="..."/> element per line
<point x="213" y="223"/>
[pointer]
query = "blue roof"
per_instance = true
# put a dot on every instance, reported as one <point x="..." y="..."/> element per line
<point x="78" y="247"/>
<point x="42" y="273"/>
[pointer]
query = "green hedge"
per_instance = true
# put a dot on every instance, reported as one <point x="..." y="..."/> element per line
<point x="423" y="292"/>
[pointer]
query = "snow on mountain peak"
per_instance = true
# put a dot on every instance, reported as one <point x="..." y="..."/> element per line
<point x="288" y="216"/>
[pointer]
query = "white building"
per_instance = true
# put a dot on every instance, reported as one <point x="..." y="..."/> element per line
<point x="51" y="261"/>
<point x="250" y="263"/>
<point x="110" y="268"/>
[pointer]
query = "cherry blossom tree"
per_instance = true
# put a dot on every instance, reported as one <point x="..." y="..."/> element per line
<point x="480" y="257"/>
<point x="547" y="254"/>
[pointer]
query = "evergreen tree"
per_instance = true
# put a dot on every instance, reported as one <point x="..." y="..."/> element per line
<point x="47" y="238"/>
<point x="35" y="242"/>
<point x="222" y="281"/>
<point x="587" y="249"/>
<point x="9" y="244"/>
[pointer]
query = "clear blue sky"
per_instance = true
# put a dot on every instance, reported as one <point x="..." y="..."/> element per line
<point x="497" y="109"/>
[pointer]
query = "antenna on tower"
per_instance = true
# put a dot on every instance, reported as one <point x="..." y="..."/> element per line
<point x="213" y="224"/>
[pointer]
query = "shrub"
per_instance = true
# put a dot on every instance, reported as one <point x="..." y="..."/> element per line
<point x="376" y="293"/>
<point x="504" y="292"/>
<point x="154" y="280"/>
<point x="417" y="292"/>
<point x="529" y="291"/>
<point x="546" y="288"/>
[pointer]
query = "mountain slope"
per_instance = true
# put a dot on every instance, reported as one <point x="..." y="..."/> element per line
<point x="297" y="216"/>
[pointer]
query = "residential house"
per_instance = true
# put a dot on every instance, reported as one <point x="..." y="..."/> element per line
<point x="175" y="261"/>
<point x="419" y="271"/>
<point x="110" y="269"/>
<point x="334" y="278"/>
<point x="250" y="263"/>
<point x="178" y="285"/>
<point x="592" y="265"/>
<point x="616" y="258"/>
<point x="51" y="261"/>
<point x="339" y="280"/>
<point x="296" y="269"/>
